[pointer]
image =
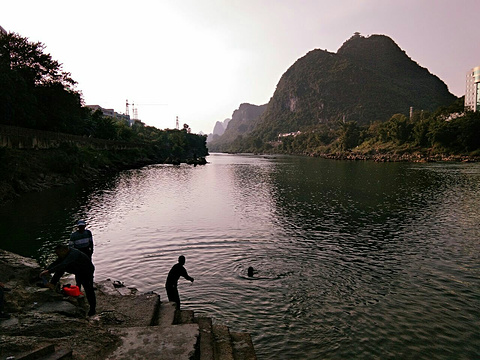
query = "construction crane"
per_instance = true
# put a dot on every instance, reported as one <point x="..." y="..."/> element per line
<point x="135" y="110"/>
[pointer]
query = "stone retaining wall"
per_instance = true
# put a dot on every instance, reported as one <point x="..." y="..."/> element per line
<point x="22" y="138"/>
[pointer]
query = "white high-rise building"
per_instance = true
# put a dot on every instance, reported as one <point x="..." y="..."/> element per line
<point x="472" y="92"/>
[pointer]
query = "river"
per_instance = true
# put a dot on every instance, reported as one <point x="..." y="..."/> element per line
<point x="353" y="260"/>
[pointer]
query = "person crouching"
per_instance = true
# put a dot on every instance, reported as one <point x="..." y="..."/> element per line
<point x="74" y="262"/>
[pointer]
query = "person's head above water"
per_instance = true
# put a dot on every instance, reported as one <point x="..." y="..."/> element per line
<point x="181" y="260"/>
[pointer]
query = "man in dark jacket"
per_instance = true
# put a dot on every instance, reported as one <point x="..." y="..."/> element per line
<point x="75" y="262"/>
<point x="82" y="239"/>
<point x="172" y="280"/>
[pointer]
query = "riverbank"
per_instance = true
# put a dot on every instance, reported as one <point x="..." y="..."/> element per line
<point x="26" y="170"/>
<point x="405" y="157"/>
<point x="128" y="325"/>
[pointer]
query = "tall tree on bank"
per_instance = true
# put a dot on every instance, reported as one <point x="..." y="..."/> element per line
<point x="34" y="90"/>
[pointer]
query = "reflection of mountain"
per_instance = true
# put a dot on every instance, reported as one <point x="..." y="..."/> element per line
<point x="321" y="197"/>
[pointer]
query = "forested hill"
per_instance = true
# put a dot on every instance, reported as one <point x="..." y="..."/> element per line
<point x="369" y="79"/>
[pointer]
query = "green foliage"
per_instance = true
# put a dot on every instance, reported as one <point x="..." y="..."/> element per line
<point x="398" y="129"/>
<point x="441" y="131"/>
<point x="459" y="135"/>
<point x="349" y="135"/>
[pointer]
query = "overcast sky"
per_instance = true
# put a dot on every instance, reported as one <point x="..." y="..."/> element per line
<point x="200" y="59"/>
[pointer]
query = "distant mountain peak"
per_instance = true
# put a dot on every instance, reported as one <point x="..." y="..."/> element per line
<point x="369" y="79"/>
<point x="359" y="43"/>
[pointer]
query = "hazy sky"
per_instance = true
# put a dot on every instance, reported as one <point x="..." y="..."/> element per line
<point x="200" y="59"/>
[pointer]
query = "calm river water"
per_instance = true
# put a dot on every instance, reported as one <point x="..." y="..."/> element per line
<point x="354" y="260"/>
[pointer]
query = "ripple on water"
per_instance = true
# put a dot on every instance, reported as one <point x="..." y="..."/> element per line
<point x="353" y="260"/>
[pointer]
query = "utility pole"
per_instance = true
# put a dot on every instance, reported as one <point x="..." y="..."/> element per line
<point x="177" y="126"/>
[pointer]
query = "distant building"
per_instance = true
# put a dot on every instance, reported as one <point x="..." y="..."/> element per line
<point x="111" y="113"/>
<point x="472" y="92"/>
<point x="105" y="112"/>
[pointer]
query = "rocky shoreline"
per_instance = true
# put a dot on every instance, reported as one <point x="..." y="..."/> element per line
<point x="405" y="157"/>
<point x="128" y="325"/>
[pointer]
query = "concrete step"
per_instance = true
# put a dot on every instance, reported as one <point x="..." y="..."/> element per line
<point x="120" y="305"/>
<point x="222" y="343"/>
<point x="243" y="346"/>
<point x="134" y="310"/>
<point x="156" y="330"/>
<point x="205" y="345"/>
<point x="166" y="314"/>
<point x="184" y="317"/>
<point x="173" y="342"/>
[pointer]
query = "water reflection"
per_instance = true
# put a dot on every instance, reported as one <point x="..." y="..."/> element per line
<point x="354" y="259"/>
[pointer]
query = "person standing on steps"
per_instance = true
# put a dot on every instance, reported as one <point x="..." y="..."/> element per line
<point x="172" y="280"/>
<point x="75" y="262"/>
<point x="82" y="239"/>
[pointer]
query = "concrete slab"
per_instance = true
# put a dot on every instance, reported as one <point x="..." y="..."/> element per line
<point x="130" y="310"/>
<point x="206" y="338"/>
<point x="184" y="317"/>
<point x="223" y="343"/>
<point x="166" y="314"/>
<point x="175" y="342"/>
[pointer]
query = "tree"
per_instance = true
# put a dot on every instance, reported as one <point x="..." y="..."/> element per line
<point x="31" y="63"/>
<point x="349" y="135"/>
<point x="467" y="131"/>
<point x="104" y="127"/>
<point x="34" y="90"/>
<point x="398" y="129"/>
<point x="420" y="132"/>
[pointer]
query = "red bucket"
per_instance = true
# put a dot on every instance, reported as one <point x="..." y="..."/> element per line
<point x="71" y="290"/>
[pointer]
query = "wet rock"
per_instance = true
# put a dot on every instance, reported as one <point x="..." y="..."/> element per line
<point x="8" y="324"/>
<point x="61" y="307"/>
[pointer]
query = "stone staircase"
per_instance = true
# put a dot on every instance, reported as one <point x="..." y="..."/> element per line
<point x="151" y="329"/>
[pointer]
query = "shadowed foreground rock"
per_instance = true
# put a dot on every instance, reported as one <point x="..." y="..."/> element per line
<point x="128" y="325"/>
